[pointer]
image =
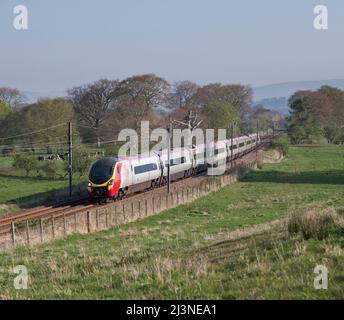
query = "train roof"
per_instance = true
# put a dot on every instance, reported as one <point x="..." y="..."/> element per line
<point x="106" y="162"/>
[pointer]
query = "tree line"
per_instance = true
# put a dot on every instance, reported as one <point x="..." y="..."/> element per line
<point x="317" y="116"/>
<point x="99" y="110"/>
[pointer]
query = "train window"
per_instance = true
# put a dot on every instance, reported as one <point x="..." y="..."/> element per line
<point x="241" y="144"/>
<point x="233" y="147"/>
<point x="218" y="151"/>
<point x="145" y="168"/>
<point x="176" y="161"/>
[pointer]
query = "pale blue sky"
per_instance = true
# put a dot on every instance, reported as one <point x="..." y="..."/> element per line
<point x="71" y="42"/>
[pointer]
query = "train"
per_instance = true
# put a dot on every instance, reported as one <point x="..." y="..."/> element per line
<point x="113" y="178"/>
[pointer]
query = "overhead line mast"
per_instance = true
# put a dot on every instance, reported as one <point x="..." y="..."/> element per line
<point x="70" y="158"/>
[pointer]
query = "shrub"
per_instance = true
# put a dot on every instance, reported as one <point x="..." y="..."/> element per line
<point x="281" y="144"/>
<point x="314" y="224"/>
<point x="112" y="151"/>
<point x="260" y="165"/>
<point x="50" y="169"/>
<point x="294" y="224"/>
<point x="81" y="161"/>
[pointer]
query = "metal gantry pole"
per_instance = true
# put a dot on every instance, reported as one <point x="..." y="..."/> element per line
<point x="257" y="138"/>
<point x="232" y="137"/>
<point x="169" y="157"/>
<point x="70" y="157"/>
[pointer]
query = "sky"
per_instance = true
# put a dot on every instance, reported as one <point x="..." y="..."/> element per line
<point x="73" y="42"/>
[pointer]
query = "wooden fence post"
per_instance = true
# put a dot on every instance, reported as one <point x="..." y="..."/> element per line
<point x="13" y="232"/>
<point x="27" y="232"/>
<point x="75" y="222"/>
<point x="146" y="207"/>
<point x="139" y="208"/>
<point x="41" y="228"/>
<point x="53" y="226"/>
<point x="115" y="212"/>
<point x="97" y="220"/>
<point x="64" y="225"/>
<point x="88" y="222"/>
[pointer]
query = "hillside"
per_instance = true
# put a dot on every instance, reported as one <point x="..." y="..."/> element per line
<point x="275" y="96"/>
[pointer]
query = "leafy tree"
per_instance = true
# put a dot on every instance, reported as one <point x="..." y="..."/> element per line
<point x="239" y="96"/>
<point x="4" y="110"/>
<point x="25" y="162"/>
<point x="218" y="115"/>
<point x="81" y="162"/>
<point x="302" y="125"/>
<point x="332" y="134"/>
<point x="267" y="119"/>
<point x="281" y="144"/>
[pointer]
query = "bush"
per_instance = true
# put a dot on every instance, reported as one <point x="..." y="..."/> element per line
<point x="260" y="165"/>
<point x="281" y="144"/>
<point x="314" y="224"/>
<point x="50" y="169"/>
<point x="27" y="163"/>
<point x="81" y="161"/>
<point x="112" y="151"/>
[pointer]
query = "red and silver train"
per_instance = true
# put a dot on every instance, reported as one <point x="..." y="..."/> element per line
<point x="115" y="177"/>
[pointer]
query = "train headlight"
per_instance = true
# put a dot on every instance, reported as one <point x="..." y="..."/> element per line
<point x="89" y="184"/>
<point x="111" y="182"/>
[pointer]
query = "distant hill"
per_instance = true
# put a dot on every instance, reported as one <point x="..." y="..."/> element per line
<point x="275" y="96"/>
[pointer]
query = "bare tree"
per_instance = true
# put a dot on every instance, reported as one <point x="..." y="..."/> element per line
<point x="191" y="121"/>
<point x="240" y="97"/>
<point x="143" y="94"/>
<point x="183" y="94"/>
<point x="11" y="97"/>
<point x="94" y="102"/>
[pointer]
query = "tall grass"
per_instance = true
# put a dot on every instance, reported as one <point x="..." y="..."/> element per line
<point x="315" y="223"/>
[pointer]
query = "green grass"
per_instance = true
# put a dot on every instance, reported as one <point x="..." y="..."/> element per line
<point x="15" y="185"/>
<point x="185" y="253"/>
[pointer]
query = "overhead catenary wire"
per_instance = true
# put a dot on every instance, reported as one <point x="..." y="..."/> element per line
<point x="33" y="132"/>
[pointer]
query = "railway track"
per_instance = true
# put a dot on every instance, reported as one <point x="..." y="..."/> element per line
<point x="75" y="206"/>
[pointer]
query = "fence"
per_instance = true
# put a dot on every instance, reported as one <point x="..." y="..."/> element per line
<point x="45" y="229"/>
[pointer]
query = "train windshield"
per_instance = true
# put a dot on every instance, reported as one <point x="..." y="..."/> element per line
<point x="102" y="170"/>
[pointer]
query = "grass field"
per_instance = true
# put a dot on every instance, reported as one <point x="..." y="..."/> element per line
<point x="227" y="245"/>
<point x="15" y="185"/>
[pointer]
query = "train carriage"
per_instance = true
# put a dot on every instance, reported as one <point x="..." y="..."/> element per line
<point x="114" y="177"/>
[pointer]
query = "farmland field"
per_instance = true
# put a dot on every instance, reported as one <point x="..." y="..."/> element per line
<point x="15" y="185"/>
<point x="231" y="244"/>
